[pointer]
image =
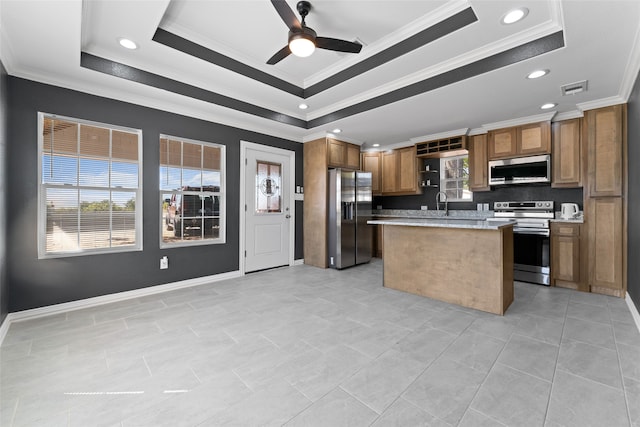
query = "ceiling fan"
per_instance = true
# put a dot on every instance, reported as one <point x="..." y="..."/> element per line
<point x="302" y="39"/>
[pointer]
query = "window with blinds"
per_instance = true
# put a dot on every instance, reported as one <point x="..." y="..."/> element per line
<point x="90" y="191"/>
<point x="192" y="205"/>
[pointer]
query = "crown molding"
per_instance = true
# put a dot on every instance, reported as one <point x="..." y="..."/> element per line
<point x="220" y="114"/>
<point x="477" y="131"/>
<point x="441" y="135"/>
<point x="519" y="121"/>
<point x="466" y="58"/>
<point x="567" y="115"/>
<point x="446" y="11"/>
<point x="600" y="103"/>
<point x="632" y="70"/>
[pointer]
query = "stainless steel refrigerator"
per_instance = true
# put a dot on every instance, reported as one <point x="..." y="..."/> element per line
<point x="349" y="209"/>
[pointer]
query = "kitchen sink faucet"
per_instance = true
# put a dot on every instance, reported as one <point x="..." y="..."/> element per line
<point x="441" y="196"/>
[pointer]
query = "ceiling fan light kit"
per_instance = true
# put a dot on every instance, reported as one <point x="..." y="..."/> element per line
<point x="303" y="40"/>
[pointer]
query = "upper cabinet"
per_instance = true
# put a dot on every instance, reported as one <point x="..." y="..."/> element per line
<point x="526" y="140"/>
<point x="604" y="144"/>
<point x="342" y="154"/>
<point x="566" y="154"/>
<point x="441" y="147"/>
<point x="372" y="162"/>
<point x="478" y="164"/>
<point x="400" y="172"/>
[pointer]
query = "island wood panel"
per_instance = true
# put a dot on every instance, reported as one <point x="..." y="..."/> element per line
<point x="471" y="268"/>
<point x="315" y="203"/>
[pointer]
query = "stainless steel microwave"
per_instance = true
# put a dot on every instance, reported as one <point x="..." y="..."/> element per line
<point x="521" y="170"/>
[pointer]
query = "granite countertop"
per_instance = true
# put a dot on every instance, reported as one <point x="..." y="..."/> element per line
<point x="414" y="213"/>
<point x="579" y="219"/>
<point x="477" y="224"/>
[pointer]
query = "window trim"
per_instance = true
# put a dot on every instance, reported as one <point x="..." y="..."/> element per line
<point x="222" y="194"/>
<point x="443" y="180"/>
<point x="42" y="203"/>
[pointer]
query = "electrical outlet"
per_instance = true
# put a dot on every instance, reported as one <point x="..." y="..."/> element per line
<point x="164" y="263"/>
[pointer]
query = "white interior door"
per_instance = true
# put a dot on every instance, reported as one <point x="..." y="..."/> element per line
<point x="267" y="212"/>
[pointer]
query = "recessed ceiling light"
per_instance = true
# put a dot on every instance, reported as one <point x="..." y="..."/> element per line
<point x="376" y="145"/>
<point x="514" y="15"/>
<point x="537" y="74"/>
<point x="547" y="106"/>
<point x="127" y="43"/>
<point x="337" y="130"/>
<point x="303" y="106"/>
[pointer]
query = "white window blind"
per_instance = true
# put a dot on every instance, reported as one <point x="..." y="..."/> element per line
<point x="89" y="187"/>
<point x="192" y="206"/>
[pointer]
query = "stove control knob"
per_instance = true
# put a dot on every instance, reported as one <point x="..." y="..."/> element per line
<point x="548" y="204"/>
<point x="538" y="204"/>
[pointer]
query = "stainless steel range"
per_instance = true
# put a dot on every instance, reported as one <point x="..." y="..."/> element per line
<point x="530" y="238"/>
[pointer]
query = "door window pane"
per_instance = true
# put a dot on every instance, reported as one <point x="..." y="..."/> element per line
<point x="268" y="187"/>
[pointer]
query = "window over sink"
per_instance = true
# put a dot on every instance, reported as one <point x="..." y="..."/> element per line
<point x="454" y="178"/>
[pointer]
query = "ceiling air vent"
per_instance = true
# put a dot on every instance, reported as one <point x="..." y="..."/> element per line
<point x="573" y="88"/>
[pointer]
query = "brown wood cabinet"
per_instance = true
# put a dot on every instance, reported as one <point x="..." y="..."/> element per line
<point x="605" y="199"/>
<point x="604" y="140"/>
<point x="566" y="260"/>
<point x="315" y="203"/>
<point x="400" y="172"/>
<point x="605" y="242"/>
<point x="342" y="154"/>
<point x="566" y="154"/>
<point x="389" y="171"/>
<point x="478" y="163"/>
<point x="372" y="162"/>
<point x="526" y="140"/>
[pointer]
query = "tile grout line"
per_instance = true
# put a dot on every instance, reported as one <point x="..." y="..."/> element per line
<point x="555" y="367"/>
<point x="624" y="386"/>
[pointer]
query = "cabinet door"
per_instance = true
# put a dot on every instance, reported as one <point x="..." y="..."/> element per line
<point x="408" y="169"/>
<point x="604" y="141"/>
<point x="605" y="242"/>
<point x="502" y="143"/>
<point x="478" y="163"/>
<point x="336" y="151"/>
<point x="566" y="154"/>
<point x="371" y="162"/>
<point x="390" y="172"/>
<point x="534" y="139"/>
<point x="353" y="156"/>
<point x="565" y="252"/>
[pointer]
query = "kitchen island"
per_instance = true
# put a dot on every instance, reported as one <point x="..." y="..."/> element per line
<point x="459" y="261"/>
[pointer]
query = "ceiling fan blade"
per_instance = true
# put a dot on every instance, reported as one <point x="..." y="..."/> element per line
<point x="286" y="14"/>
<point x="279" y="55"/>
<point x="338" y="45"/>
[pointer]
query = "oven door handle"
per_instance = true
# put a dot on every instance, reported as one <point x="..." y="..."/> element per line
<point x="531" y="231"/>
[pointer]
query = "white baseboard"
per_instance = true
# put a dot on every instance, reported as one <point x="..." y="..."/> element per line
<point x="298" y="261"/>
<point x="34" y="313"/>
<point x="634" y="310"/>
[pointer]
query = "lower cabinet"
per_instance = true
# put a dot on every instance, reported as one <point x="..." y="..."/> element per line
<point x="566" y="255"/>
<point x="606" y="245"/>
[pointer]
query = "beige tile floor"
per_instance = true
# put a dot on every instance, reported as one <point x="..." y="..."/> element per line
<point x="303" y="346"/>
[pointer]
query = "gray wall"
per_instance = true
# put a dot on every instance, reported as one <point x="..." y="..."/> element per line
<point x="633" y="201"/>
<point x="4" y="292"/>
<point x="35" y="283"/>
